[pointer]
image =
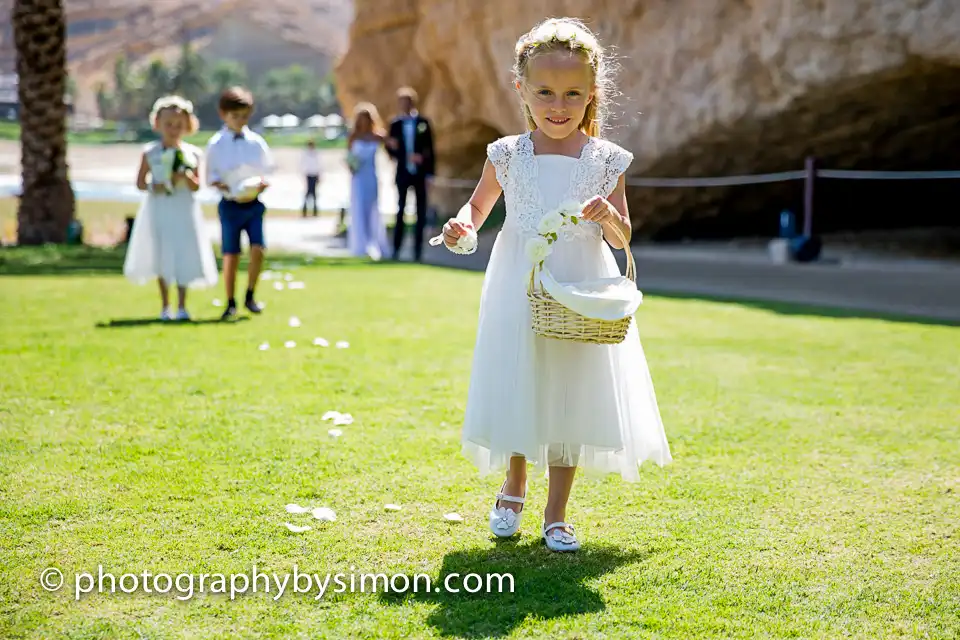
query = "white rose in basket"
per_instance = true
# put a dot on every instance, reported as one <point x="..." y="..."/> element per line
<point x="550" y="223"/>
<point x="571" y="209"/>
<point x="538" y="249"/>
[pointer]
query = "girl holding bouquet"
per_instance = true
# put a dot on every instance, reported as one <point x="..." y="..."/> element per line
<point x="367" y="233"/>
<point x="169" y="240"/>
<point x="558" y="404"/>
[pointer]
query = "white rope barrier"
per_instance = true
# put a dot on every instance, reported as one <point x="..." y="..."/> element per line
<point x="888" y="175"/>
<point x="761" y="178"/>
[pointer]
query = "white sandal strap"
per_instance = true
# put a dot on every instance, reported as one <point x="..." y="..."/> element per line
<point x="558" y="525"/>
<point x="501" y="496"/>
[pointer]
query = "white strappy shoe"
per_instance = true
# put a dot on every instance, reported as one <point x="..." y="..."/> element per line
<point x="559" y="539"/>
<point x="505" y="522"/>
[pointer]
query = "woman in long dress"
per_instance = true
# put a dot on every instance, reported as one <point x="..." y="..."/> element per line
<point x="367" y="233"/>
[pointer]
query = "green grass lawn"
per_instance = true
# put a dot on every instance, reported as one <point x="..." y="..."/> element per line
<point x="814" y="492"/>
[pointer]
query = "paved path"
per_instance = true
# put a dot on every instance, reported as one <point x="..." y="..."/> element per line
<point x="852" y="284"/>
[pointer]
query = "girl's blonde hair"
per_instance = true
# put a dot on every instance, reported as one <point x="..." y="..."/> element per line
<point x="370" y="110"/>
<point x="572" y="36"/>
<point x="175" y="103"/>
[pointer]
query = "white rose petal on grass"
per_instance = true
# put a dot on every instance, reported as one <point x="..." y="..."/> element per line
<point x="217" y="302"/>
<point x="262" y="305"/>
<point x="343" y="344"/>
<point x="343" y="419"/>
<point x="334" y="433"/>
<point x="453" y="517"/>
<point x="288" y="277"/>
<point x="294" y="321"/>
<point x="537" y="249"/>
<point x="278" y="286"/>
<point x="289" y="344"/>
<point x="264" y="346"/>
<point x="296" y="285"/>
<point x="295" y="508"/>
<point x="331" y="415"/>
<point x="551" y="222"/>
<point x="324" y="514"/>
<point x="392" y="507"/>
<point x="266" y="275"/>
<point x="296" y="529"/>
<point x="321" y="342"/>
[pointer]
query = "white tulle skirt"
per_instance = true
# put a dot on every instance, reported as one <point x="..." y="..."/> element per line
<point x="556" y="402"/>
<point x="169" y="241"/>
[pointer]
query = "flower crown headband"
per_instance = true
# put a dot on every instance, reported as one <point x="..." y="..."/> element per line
<point x="558" y="32"/>
<point x="171" y="102"/>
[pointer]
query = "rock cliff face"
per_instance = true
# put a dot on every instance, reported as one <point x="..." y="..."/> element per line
<point x="710" y="88"/>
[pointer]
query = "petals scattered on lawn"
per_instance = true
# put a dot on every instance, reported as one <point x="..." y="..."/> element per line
<point x="321" y="342"/>
<point x="343" y="419"/>
<point x="295" y="508"/>
<point x="288" y="277"/>
<point x="296" y="529"/>
<point x="294" y="321"/>
<point x="296" y="285"/>
<point x="264" y="346"/>
<point x="278" y="286"/>
<point x="453" y="517"/>
<point x="335" y="433"/>
<point x="289" y="344"/>
<point x="266" y="275"/>
<point x="343" y="344"/>
<point x="325" y="514"/>
<point x="217" y="302"/>
<point x="392" y="507"/>
<point x="330" y="415"/>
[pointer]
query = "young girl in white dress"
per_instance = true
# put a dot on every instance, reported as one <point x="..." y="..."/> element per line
<point x="558" y="404"/>
<point x="169" y="240"/>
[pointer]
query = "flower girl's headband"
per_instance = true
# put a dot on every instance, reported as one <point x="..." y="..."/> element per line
<point x="171" y="102"/>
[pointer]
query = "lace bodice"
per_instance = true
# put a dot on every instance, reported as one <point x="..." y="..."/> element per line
<point x="595" y="173"/>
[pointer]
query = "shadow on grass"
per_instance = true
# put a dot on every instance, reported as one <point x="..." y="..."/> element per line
<point x="545" y="585"/>
<point x="64" y="260"/>
<point x="799" y="309"/>
<point x="142" y="322"/>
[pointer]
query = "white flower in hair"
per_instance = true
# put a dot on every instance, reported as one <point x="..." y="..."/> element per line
<point x="538" y="249"/>
<point x="551" y="222"/>
<point x="565" y="32"/>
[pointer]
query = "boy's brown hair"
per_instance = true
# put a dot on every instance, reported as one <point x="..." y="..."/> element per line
<point x="236" y="99"/>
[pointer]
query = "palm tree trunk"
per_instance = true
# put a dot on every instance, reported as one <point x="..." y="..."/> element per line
<point x="47" y="200"/>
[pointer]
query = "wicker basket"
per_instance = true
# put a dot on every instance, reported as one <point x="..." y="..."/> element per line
<point x="550" y="319"/>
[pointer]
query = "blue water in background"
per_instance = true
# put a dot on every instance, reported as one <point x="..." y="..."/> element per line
<point x="114" y="192"/>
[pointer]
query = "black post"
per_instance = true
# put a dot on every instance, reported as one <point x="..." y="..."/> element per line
<point x="811" y="168"/>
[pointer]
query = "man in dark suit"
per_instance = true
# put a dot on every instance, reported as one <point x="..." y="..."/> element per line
<point x="411" y="144"/>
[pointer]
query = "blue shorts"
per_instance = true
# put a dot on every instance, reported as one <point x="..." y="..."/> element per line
<point x="237" y="217"/>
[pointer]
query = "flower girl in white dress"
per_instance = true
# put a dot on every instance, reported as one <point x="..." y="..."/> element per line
<point x="556" y="403"/>
<point x="169" y="240"/>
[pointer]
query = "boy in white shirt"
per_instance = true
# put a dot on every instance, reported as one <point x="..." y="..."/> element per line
<point x="234" y="153"/>
<point x="310" y="165"/>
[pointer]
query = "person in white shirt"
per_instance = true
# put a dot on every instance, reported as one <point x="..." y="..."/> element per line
<point x="238" y="160"/>
<point x="310" y="165"/>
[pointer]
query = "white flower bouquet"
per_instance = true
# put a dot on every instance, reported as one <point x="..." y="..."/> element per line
<point x="171" y="162"/>
<point x="549" y="227"/>
<point x="353" y="162"/>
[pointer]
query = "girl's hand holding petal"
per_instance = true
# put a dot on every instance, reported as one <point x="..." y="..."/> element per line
<point x="455" y="229"/>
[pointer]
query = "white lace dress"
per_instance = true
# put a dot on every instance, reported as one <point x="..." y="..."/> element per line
<point x="169" y="239"/>
<point x="552" y="401"/>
